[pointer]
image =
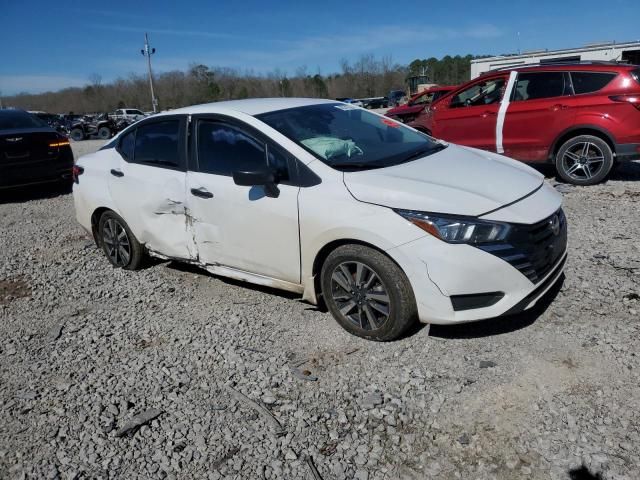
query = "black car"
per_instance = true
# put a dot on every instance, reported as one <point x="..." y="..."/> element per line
<point x="31" y="152"/>
<point x="395" y="97"/>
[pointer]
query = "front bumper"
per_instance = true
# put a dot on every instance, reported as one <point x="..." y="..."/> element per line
<point x="437" y="271"/>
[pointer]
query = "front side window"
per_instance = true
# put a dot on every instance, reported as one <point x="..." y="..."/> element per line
<point x="533" y="86"/>
<point x="588" y="82"/>
<point x="158" y="144"/>
<point x="348" y="138"/>
<point x="482" y="93"/>
<point x="224" y="149"/>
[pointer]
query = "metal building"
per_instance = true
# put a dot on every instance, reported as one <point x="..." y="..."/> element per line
<point x="612" y="51"/>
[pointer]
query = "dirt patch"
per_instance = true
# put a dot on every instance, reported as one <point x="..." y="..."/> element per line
<point x="13" y="288"/>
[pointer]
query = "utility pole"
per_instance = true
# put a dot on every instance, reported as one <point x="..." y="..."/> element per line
<point x="147" y="52"/>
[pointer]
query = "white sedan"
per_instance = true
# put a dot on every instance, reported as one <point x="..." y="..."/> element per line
<point x="385" y="225"/>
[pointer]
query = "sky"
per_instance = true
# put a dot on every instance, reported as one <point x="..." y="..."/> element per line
<point x="49" y="45"/>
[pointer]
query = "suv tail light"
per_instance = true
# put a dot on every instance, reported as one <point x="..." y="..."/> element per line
<point x="632" y="99"/>
<point x="76" y="172"/>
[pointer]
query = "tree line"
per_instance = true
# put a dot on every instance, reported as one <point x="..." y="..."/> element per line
<point x="368" y="76"/>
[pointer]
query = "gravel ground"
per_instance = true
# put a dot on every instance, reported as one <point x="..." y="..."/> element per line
<point x="173" y="373"/>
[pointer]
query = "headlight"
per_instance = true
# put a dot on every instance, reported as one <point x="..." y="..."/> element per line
<point x="457" y="229"/>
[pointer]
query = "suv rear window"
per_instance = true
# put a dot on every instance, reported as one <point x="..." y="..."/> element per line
<point x="588" y="82"/>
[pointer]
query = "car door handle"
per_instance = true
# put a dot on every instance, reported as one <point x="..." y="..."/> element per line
<point x="201" y="192"/>
<point x="559" y="106"/>
<point x="488" y="114"/>
<point x="116" y="173"/>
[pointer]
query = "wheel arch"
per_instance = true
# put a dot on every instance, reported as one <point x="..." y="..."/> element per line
<point x="95" y="220"/>
<point x="576" y="131"/>
<point x="329" y="247"/>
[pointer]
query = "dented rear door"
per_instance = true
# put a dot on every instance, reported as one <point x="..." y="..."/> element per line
<point x="148" y="188"/>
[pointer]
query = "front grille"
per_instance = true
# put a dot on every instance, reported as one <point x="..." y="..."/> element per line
<point x="533" y="249"/>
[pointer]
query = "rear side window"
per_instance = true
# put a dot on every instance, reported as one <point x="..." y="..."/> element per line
<point x="588" y="82"/>
<point x="127" y="145"/>
<point x="635" y="74"/>
<point x="533" y="86"/>
<point x="158" y="144"/>
<point x="223" y="149"/>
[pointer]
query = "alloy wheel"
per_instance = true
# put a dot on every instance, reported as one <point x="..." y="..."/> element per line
<point x="116" y="241"/>
<point x="583" y="161"/>
<point x="360" y="295"/>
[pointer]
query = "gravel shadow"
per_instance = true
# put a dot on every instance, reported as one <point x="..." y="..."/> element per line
<point x="499" y="325"/>
<point x="185" y="267"/>
<point x="583" y="473"/>
<point x="34" y="192"/>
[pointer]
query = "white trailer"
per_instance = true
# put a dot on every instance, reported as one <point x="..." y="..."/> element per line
<point x="612" y="51"/>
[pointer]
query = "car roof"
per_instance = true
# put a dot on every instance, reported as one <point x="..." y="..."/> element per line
<point x="563" y="67"/>
<point x="252" y="106"/>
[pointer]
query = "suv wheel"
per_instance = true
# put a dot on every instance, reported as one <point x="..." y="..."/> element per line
<point x="120" y="246"/>
<point x="367" y="293"/>
<point x="584" y="160"/>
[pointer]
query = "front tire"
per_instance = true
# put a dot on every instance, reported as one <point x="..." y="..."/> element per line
<point x="367" y="293"/>
<point x="118" y="242"/>
<point x="584" y="160"/>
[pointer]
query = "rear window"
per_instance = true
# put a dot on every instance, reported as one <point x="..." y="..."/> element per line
<point x="636" y="75"/>
<point x="15" y="119"/>
<point x="158" y="144"/>
<point x="588" y="82"/>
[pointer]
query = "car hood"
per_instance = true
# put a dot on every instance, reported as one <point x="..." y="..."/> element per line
<point x="457" y="180"/>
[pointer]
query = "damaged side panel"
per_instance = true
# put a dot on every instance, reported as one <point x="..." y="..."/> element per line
<point x="153" y="202"/>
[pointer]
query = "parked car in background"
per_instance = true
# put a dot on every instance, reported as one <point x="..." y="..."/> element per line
<point x="409" y="111"/>
<point x="31" y="152"/>
<point x="129" y="114"/>
<point x="580" y="117"/>
<point x="351" y="101"/>
<point x="395" y="97"/>
<point x="375" y="102"/>
<point x="328" y="200"/>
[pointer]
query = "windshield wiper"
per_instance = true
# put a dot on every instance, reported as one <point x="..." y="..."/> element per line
<point x="356" y="165"/>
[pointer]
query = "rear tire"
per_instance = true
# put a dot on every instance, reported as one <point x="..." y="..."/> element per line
<point x="76" y="134"/>
<point x="584" y="160"/>
<point x="118" y="242"/>
<point x="367" y="293"/>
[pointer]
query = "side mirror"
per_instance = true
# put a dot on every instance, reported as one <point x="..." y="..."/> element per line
<point x="259" y="178"/>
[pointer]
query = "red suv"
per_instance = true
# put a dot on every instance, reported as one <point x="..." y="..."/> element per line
<point x="582" y="117"/>
<point x="415" y="105"/>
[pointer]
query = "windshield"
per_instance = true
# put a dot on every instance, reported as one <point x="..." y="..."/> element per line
<point x="17" y="119"/>
<point x="346" y="137"/>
